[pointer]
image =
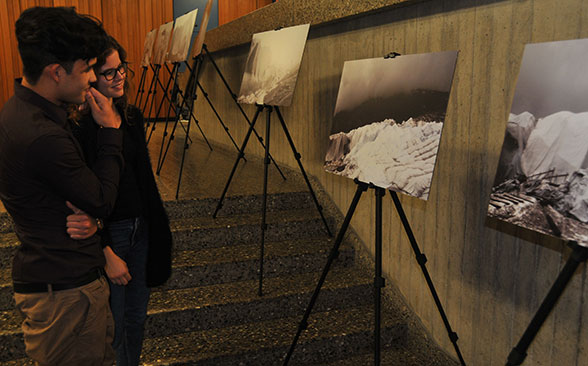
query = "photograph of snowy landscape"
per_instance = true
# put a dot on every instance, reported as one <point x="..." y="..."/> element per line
<point x="541" y="181"/>
<point x="148" y="47"/>
<point x="162" y="43"/>
<point x="199" y="41"/>
<point x="272" y="66"/>
<point x="180" y="43"/>
<point x="388" y="120"/>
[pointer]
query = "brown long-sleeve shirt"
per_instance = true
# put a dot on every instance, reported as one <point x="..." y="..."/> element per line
<point x="42" y="166"/>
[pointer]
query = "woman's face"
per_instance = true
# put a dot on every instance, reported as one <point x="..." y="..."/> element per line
<point x="114" y="70"/>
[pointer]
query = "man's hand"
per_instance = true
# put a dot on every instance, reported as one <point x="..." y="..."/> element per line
<point x="116" y="269"/>
<point x="80" y="225"/>
<point x="103" y="109"/>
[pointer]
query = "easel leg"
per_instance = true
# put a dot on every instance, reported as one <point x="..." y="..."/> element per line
<point x="153" y="94"/>
<point x="173" y="75"/>
<point x="148" y="92"/>
<point x="186" y="145"/>
<point x="297" y="156"/>
<point x="218" y="117"/>
<point x="519" y="353"/>
<point x="379" y="281"/>
<point x="234" y="96"/>
<point x="239" y="157"/>
<point x="266" y="163"/>
<point x="190" y="91"/>
<point x="361" y="187"/>
<point x="422" y="260"/>
<point x="140" y="87"/>
<point x="164" y="135"/>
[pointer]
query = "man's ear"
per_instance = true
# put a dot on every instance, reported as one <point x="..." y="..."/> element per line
<point x="54" y="72"/>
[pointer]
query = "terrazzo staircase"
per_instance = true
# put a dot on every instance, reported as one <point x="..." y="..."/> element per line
<point x="209" y="312"/>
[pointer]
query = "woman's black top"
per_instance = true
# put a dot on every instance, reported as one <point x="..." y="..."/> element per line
<point x="138" y="194"/>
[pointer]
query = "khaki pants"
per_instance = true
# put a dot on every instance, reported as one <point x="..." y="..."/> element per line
<point x="69" y="327"/>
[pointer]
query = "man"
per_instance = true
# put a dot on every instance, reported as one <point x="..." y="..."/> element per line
<point x="58" y="282"/>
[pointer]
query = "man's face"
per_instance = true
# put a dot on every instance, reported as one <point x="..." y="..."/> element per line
<point x="74" y="86"/>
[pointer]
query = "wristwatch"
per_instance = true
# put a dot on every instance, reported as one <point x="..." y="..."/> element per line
<point x="99" y="224"/>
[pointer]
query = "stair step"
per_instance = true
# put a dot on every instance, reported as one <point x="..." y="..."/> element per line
<point x="232" y="205"/>
<point x="184" y="310"/>
<point x="241" y="262"/>
<point x="8" y="244"/>
<point x="215" y="306"/>
<point x="235" y="205"/>
<point x="416" y="351"/>
<point x="330" y="334"/>
<point x="6" y="300"/>
<point x="193" y="268"/>
<point x="11" y="341"/>
<point x="5" y="223"/>
<point x="227" y="292"/>
<point x="207" y="232"/>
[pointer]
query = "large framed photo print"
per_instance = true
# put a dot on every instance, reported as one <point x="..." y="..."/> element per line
<point x="199" y="41"/>
<point x="182" y="36"/>
<point x="148" y="47"/>
<point x="272" y="66"/>
<point x="388" y="120"/>
<point x="541" y="182"/>
<point x="162" y="43"/>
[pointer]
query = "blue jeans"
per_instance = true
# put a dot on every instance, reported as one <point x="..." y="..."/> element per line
<point x="129" y="303"/>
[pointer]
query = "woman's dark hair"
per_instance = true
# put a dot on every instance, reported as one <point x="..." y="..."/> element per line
<point x="122" y="103"/>
<point x="56" y="35"/>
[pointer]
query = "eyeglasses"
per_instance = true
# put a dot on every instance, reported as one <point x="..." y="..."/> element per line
<point x="111" y="73"/>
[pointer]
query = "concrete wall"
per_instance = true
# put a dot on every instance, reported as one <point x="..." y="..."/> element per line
<point x="491" y="277"/>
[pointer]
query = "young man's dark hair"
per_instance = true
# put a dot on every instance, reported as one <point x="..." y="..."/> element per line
<point x="45" y="36"/>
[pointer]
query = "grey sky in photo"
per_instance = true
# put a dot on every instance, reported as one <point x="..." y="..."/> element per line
<point x="182" y="35"/>
<point x="286" y="45"/>
<point x="553" y="77"/>
<point x="378" y="77"/>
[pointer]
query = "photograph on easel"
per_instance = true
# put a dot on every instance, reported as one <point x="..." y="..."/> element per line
<point x="388" y="120"/>
<point x="148" y="47"/>
<point x="162" y="43"/>
<point x="199" y="41"/>
<point x="272" y="66"/>
<point x="541" y="182"/>
<point x="182" y="37"/>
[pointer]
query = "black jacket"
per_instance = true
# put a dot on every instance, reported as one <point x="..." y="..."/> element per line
<point x="160" y="238"/>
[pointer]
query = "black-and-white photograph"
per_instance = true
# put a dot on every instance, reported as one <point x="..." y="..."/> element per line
<point x="272" y="66"/>
<point x="148" y="47"/>
<point x="388" y="120"/>
<point x="162" y="43"/>
<point x="182" y="36"/>
<point x="541" y="182"/>
<point x="199" y="41"/>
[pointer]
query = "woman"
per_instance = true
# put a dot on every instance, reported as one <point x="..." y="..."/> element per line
<point x="137" y="233"/>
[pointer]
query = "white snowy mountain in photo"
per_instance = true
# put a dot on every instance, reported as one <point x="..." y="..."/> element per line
<point x="542" y="178"/>
<point x="397" y="156"/>
<point x="272" y="66"/>
<point x="560" y="142"/>
<point x="266" y="83"/>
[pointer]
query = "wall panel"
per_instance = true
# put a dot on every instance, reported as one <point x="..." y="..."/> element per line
<point x="491" y="276"/>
